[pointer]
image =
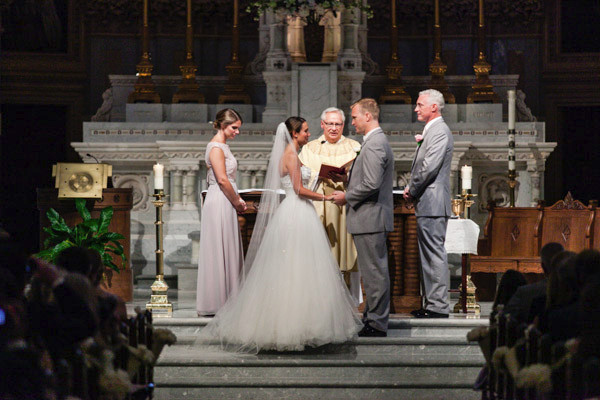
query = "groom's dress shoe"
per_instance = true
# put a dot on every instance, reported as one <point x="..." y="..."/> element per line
<point x="428" y="314"/>
<point x="369" y="331"/>
<point x="418" y="313"/>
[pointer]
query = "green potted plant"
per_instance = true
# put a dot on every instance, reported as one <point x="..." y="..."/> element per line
<point x="90" y="233"/>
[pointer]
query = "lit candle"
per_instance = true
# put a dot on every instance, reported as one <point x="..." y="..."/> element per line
<point x="512" y="96"/>
<point x="466" y="174"/>
<point x="158" y="175"/>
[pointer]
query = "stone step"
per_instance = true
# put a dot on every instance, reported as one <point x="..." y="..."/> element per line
<point x="374" y="378"/>
<point x="406" y="346"/>
<point x="318" y="393"/>
<point x="398" y="327"/>
<point x="342" y="376"/>
<point x="420" y="359"/>
<point x="386" y="354"/>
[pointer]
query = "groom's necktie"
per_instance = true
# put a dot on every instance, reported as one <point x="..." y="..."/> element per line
<point x="352" y="167"/>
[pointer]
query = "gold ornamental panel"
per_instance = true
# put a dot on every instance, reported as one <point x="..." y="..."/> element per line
<point x="77" y="180"/>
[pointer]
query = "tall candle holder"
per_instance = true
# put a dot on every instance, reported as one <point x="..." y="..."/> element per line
<point x="159" y="303"/>
<point x="468" y="200"/>
<point x="462" y="204"/>
<point x="512" y="168"/>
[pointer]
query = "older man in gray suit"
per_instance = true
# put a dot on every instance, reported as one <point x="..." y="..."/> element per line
<point x="370" y="213"/>
<point x="429" y="189"/>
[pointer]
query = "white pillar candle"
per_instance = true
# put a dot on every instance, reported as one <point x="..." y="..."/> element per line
<point x="466" y="174"/>
<point x="512" y="97"/>
<point x="158" y="175"/>
<point x="511" y="165"/>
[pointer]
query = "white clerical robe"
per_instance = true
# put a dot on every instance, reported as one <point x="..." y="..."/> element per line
<point x="338" y="154"/>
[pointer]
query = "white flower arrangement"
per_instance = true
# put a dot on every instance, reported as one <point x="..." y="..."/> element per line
<point x="498" y="356"/>
<point x="138" y="356"/>
<point x="535" y="376"/>
<point x="115" y="383"/>
<point x="304" y="8"/>
<point x="511" y="362"/>
<point x="476" y="334"/>
<point x="160" y="338"/>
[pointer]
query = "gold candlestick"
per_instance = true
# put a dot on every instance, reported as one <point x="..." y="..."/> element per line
<point x="467" y="303"/>
<point x="483" y="90"/>
<point x="394" y="91"/>
<point x="143" y="89"/>
<point x="234" y="88"/>
<point x="159" y="303"/>
<point x="188" y="91"/>
<point x="438" y="68"/>
<point x="467" y="198"/>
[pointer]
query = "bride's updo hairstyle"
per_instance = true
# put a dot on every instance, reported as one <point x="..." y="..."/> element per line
<point x="226" y="117"/>
<point x="294" y="124"/>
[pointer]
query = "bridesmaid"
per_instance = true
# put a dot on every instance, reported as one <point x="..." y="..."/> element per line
<point x="221" y="255"/>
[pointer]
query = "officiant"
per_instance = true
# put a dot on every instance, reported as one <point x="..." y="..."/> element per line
<point x="334" y="149"/>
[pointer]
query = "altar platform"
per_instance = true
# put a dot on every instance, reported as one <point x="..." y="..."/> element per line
<point x="420" y="359"/>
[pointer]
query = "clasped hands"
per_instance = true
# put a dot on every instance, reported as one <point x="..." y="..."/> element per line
<point x="241" y="206"/>
<point x="407" y="196"/>
<point x="338" y="197"/>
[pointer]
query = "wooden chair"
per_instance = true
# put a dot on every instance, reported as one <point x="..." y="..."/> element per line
<point x="513" y="237"/>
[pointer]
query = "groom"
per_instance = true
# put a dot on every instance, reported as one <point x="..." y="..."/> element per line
<point x="369" y="202"/>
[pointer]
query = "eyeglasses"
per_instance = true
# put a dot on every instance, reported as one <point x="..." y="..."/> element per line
<point x="332" y="124"/>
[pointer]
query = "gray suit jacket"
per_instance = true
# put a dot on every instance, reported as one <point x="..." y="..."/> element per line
<point x="430" y="172"/>
<point x="369" y="193"/>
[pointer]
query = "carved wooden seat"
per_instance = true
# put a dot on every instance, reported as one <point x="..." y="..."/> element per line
<point x="514" y="236"/>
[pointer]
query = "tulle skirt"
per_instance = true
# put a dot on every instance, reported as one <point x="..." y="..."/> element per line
<point x="294" y="294"/>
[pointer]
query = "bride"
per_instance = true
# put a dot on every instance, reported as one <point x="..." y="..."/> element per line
<point x="292" y="294"/>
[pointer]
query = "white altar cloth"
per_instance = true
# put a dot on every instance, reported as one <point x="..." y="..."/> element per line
<point x="461" y="236"/>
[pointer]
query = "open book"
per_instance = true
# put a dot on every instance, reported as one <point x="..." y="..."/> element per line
<point x="326" y="169"/>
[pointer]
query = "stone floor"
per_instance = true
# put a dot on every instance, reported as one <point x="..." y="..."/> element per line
<point x="420" y="359"/>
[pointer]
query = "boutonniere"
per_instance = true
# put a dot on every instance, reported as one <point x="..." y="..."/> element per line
<point x="419" y="139"/>
<point x="357" y="150"/>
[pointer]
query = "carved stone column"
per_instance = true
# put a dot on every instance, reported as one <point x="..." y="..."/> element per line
<point x="332" y="37"/>
<point x="190" y="188"/>
<point x="277" y="76"/>
<point x="260" y="177"/>
<point x="257" y="65"/>
<point x="350" y="75"/>
<point x="295" y="38"/>
<point x="349" y="58"/>
<point x="176" y="199"/>
<point x="536" y="172"/>
<point x="245" y="178"/>
<point x="278" y="58"/>
<point x="368" y="65"/>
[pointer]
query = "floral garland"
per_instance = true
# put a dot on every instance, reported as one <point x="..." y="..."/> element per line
<point x="306" y="8"/>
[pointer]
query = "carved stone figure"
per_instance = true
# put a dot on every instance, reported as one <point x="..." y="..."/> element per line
<point x="523" y="112"/>
<point x="103" y="113"/>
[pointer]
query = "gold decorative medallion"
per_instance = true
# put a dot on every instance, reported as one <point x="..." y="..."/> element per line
<point x="75" y="180"/>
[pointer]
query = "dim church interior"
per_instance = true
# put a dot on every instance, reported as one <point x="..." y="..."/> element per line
<point x="66" y="74"/>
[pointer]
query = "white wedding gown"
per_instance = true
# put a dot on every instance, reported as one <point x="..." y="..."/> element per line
<point x="294" y="295"/>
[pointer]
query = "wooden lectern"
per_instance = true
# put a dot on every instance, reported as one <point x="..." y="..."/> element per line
<point x="122" y="201"/>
